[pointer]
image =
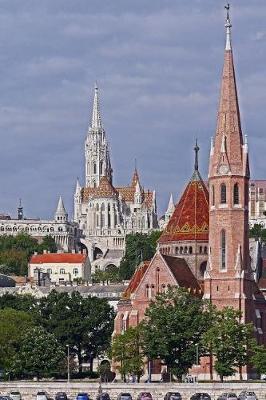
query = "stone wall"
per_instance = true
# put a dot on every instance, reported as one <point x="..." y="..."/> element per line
<point x="29" y="389"/>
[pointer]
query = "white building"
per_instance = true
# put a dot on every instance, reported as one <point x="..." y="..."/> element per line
<point x="257" y="203"/>
<point x="60" y="267"/>
<point x="107" y="213"/>
<point x="65" y="233"/>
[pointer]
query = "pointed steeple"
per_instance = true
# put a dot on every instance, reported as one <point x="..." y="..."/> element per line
<point x="196" y="175"/>
<point x="78" y="187"/>
<point x="226" y="155"/>
<point x="135" y="177"/>
<point x="61" y="214"/>
<point x="171" y="206"/>
<point x="96" y="122"/>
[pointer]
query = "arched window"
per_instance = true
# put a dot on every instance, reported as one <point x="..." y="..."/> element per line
<point x="236" y="193"/>
<point x="223" y="193"/>
<point x="190" y="250"/>
<point x="62" y="271"/>
<point x="101" y="167"/>
<point x="223" y="250"/>
<point x="94" y="168"/>
<point x="213" y="195"/>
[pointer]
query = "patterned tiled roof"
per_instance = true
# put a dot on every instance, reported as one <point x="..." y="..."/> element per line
<point x="136" y="279"/>
<point x="105" y="189"/>
<point x="190" y="220"/>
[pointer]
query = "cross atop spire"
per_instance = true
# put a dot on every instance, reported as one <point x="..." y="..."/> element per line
<point x="96" y="122"/>
<point x="228" y="27"/>
<point x="196" y="149"/>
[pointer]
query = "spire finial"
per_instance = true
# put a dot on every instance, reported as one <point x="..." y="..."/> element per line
<point x="228" y="26"/>
<point x="196" y="149"/>
<point x="96" y="122"/>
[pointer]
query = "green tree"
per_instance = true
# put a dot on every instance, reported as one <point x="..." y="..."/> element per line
<point x="109" y="275"/>
<point x="19" y="302"/>
<point x="13" y="324"/>
<point x="258" y="232"/>
<point x="127" y="351"/>
<point x="39" y="353"/>
<point x="15" y="252"/>
<point x="229" y="341"/>
<point x="85" y="324"/>
<point x="139" y="247"/>
<point x="258" y="359"/>
<point x="173" y="328"/>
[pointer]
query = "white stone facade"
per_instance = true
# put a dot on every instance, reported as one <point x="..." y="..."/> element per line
<point x="65" y="233"/>
<point x="105" y="213"/>
<point x="60" y="267"/>
<point x="257" y="203"/>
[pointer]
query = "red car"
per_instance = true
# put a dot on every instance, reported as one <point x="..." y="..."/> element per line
<point x="144" y="396"/>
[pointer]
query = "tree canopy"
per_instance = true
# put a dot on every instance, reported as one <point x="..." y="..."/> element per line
<point x="258" y="232"/>
<point x="173" y="328"/>
<point x="139" y="247"/>
<point x="15" y="252"/>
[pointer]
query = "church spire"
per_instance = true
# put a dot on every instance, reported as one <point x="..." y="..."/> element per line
<point x="96" y="122"/>
<point x="228" y="28"/>
<point x="227" y="154"/>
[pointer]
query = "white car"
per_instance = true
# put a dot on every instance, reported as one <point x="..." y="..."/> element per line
<point x="15" y="395"/>
<point x="42" y="396"/>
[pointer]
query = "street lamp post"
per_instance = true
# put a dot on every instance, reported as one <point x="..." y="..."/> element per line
<point x="68" y="364"/>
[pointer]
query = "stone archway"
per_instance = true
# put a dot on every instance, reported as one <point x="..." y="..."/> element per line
<point x="97" y="253"/>
<point x="202" y="268"/>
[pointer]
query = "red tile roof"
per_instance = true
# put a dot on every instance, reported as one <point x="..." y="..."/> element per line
<point x="58" y="258"/>
<point x="136" y="279"/>
<point x="190" y="220"/>
<point x="105" y="189"/>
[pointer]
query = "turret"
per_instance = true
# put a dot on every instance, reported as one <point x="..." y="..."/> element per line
<point x="61" y="214"/>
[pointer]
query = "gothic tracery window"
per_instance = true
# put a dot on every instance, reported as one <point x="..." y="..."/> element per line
<point x="223" y="250"/>
<point x="223" y="193"/>
<point x="236" y="193"/>
<point x="213" y="195"/>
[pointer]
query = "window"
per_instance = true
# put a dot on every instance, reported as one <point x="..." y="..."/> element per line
<point x="236" y="193"/>
<point x="76" y="271"/>
<point x="94" y="168"/>
<point x="223" y="250"/>
<point x="223" y="193"/>
<point x="213" y="195"/>
<point x="62" y="271"/>
<point x="190" y="250"/>
<point x="49" y="271"/>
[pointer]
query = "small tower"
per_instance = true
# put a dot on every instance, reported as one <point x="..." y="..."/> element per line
<point x="97" y="156"/>
<point x="61" y="214"/>
<point x="20" y="211"/>
<point x="170" y="210"/>
<point x="77" y="201"/>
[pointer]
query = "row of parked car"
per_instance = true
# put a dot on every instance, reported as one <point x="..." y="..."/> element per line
<point x="245" y="395"/>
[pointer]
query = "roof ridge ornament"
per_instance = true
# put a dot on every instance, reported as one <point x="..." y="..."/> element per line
<point x="228" y="27"/>
<point x="196" y="149"/>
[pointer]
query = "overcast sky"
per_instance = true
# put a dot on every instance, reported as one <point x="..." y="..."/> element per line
<point x="158" y="66"/>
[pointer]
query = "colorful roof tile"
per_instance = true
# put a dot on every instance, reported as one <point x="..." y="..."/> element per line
<point x="58" y="258"/>
<point x="136" y="279"/>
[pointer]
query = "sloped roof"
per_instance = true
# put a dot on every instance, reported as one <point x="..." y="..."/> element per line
<point x="182" y="273"/>
<point x="136" y="279"/>
<point x="190" y="220"/>
<point x="58" y="258"/>
<point x="105" y="189"/>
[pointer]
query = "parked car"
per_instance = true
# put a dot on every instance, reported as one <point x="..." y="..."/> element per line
<point x="42" y="395"/>
<point x="103" y="396"/>
<point x="15" y="395"/>
<point x="144" y="396"/>
<point x="173" y="396"/>
<point x="83" y="396"/>
<point x="5" y="398"/>
<point x="61" y="396"/>
<point x="227" y="396"/>
<point x="200" y="396"/>
<point x="245" y="395"/>
<point x="124" y="396"/>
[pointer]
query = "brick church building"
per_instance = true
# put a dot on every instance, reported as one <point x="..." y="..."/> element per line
<point x="205" y="246"/>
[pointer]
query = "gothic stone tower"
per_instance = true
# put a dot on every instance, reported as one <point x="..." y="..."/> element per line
<point x="228" y="279"/>
<point x="97" y="156"/>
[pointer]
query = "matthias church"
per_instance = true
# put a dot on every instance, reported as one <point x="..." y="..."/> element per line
<point x="104" y="212"/>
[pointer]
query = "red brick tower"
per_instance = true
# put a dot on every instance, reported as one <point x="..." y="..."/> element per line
<point x="228" y="279"/>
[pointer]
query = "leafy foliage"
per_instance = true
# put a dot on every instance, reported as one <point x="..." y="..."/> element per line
<point x="15" y="252"/>
<point x="139" y="247"/>
<point x="229" y="341"/>
<point x="173" y="328"/>
<point x="13" y="325"/>
<point x="110" y="275"/>
<point x="127" y="351"/>
<point x="258" y="232"/>
<point x="39" y="353"/>
<point x="258" y="359"/>
<point x="85" y="324"/>
<point x="17" y="302"/>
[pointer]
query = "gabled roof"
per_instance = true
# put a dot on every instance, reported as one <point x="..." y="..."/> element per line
<point x="136" y="279"/>
<point x="105" y="189"/>
<point x="58" y="258"/>
<point x="182" y="273"/>
<point x="190" y="220"/>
